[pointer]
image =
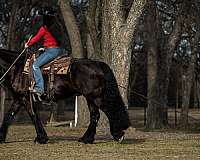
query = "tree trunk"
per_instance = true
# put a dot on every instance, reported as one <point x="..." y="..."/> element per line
<point x="186" y="88"/>
<point x="12" y="26"/>
<point x="154" y="110"/>
<point x="198" y="92"/>
<point x="92" y="25"/>
<point x="188" y="73"/>
<point x="83" y="112"/>
<point x="106" y="33"/>
<point x="94" y="48"/>
<point x="72" y="28"/>
<point x="122" y="38"/>
<point x="77" y="52"/>
<point x="2" y="102"/>
<point x="90" y="47"/>
<point x="159" y="64"/>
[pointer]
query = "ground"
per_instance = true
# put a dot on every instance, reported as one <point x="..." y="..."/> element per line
<point x="63" y="145"/>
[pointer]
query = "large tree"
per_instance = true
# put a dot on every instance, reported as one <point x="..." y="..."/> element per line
<point x="122" y="31"/>
<point x="77" y="52"/>
<point x="2" y="102"/>
<point x="111" y="34"/>
<point x="160" y="50"/>
<point x="188" y="65"/>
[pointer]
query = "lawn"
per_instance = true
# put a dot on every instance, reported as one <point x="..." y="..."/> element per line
<point x="63" y="145"/>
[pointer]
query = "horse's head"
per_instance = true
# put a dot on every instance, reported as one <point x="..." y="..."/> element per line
<point x="14" y="77"/>
<point x="6" y="59"/>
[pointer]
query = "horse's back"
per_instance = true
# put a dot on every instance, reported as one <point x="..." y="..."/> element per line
<point x="91" y="66"/>
<point x="89" y="75"/>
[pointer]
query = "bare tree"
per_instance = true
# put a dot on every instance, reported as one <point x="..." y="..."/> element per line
<point x="2" y="103"/>
<point x="188" y="67"/>
<point x="12" y="25"/>
<point x="160" y="52"/>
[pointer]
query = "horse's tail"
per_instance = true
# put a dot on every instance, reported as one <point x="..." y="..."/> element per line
<point x="114" y="106"/>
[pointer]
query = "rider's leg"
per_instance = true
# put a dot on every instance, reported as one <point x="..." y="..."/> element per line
<point x="47" y="56"/>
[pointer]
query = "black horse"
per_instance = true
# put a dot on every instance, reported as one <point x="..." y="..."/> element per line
<point x="92" y="79"/>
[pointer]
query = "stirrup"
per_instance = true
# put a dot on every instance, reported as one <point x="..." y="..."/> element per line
<point x="38" y="97"/>
<point x="31" y="87"/>
<point x="36" y="92"/>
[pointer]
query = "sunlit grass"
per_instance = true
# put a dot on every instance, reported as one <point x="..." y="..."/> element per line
<point x="63" y="145"/>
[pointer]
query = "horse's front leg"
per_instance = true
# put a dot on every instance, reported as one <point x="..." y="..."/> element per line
<point x="89" y="135"/>
<point x="42" y="137"/>
<point x="15" y="107"/>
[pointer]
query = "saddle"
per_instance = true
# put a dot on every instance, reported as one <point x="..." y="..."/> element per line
<point x="59" y="66"/>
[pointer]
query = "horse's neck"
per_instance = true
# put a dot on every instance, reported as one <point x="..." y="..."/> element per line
<point x="8" y="56"/>
<point x="18" y="79"/>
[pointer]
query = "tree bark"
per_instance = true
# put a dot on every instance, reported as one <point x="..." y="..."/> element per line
<point x="90" y="47"/>
<point x="77" y="52"/>
<point x="83" y="112"/>
<point x="122" y="36"/>
<point x="92" y="25"/>
<point x="153" y="109"/>
<point x="12" y="26"/>
<point x="189" y="69"/>
<point x="2" y="102"/>
<point x="94" y="46"/>
<point x="159" y="64"/>
<point x="106" y="32"/>
<point x="72" y="28"/>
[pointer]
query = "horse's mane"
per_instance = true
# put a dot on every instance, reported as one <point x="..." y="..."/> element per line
<point x="15" y="77"/>
<point x="8" y="55"/>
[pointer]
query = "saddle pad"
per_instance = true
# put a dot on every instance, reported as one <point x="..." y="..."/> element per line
<point x="60" y="64"/>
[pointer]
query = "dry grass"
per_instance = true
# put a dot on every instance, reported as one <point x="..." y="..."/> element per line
<point x="63" y="145"/>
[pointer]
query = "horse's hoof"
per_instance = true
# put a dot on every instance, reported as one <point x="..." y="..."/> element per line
<point x="119" y="137"/>
<point x="120" y="140"/>
<point x="2" y="141"/>
<point x="86" y="140"/>
<point x="40" y="140"/>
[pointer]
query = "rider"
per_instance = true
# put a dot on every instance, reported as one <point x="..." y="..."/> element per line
<point x="52" y="48"/>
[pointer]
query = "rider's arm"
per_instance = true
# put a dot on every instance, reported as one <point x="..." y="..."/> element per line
<point x="37" y="37"/>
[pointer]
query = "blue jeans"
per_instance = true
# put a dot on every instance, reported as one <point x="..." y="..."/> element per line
<point x="44" y="58"/>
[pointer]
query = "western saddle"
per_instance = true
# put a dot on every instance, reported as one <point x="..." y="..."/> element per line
<point x="59" y="66"/>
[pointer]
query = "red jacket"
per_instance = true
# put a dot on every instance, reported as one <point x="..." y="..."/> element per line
<point x="49" y="40"/>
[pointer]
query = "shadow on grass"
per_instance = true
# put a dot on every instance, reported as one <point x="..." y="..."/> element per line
<point x="98" y="140"/>
<point x="54" y="139"/>
<point x="190" y="129"/>
<point x="19" y="141"/>
<point x="133" y="141"/>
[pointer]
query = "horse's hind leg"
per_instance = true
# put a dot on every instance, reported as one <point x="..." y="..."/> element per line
<point x="88" y="136"/>
<point x="42" y="137"/>
<point x="15" y="107"/>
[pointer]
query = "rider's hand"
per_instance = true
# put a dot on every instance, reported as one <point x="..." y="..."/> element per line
<point x="42" y="49"/>
<point x="26" y="45"/>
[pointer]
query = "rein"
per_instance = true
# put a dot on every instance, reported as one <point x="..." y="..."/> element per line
<point x="11" y="66"/>
<point x="14" y="62"/>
